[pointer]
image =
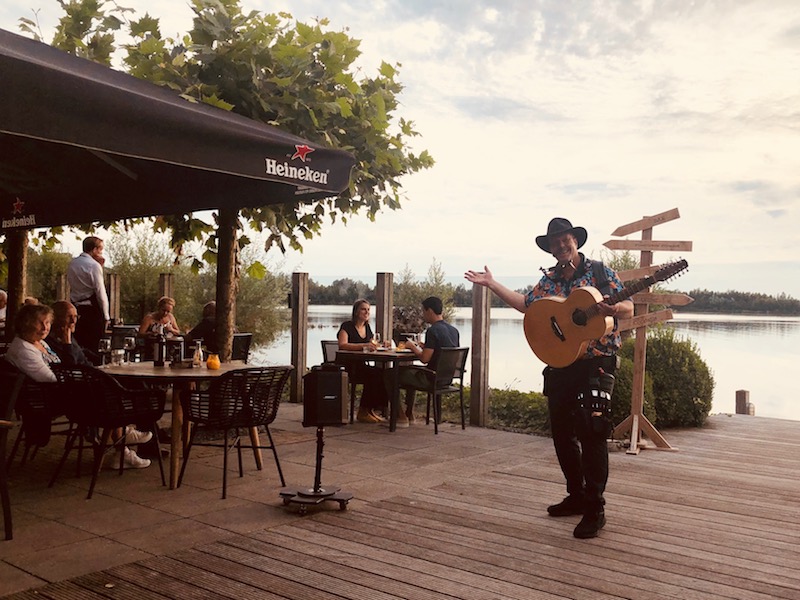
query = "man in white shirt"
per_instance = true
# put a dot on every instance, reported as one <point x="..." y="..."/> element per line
<point x="87" y="291"/>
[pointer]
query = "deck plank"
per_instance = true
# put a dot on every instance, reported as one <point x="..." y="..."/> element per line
<point x="717" y="519"/>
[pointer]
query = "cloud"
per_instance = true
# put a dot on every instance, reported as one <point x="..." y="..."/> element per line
<point x="601" y="111"/>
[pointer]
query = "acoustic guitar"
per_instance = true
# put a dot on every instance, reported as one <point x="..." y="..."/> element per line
<point x="558" y="330"/>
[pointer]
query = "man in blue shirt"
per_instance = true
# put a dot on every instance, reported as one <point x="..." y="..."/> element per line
<point x="579" y="434"/>
<point x="439" y="335"/>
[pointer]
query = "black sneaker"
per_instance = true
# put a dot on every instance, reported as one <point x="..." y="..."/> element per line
<point x="571" y="505"/>
<point x="591" y="523"/>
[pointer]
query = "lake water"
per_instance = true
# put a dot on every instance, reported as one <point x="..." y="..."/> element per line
<point x="743" y="353"/>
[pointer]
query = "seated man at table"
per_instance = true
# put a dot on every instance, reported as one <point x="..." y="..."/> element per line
<point x="205" y="330"/>
<point x="440" y="334"/>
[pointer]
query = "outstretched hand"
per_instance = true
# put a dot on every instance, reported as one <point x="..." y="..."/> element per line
<point x="479" y="277"/>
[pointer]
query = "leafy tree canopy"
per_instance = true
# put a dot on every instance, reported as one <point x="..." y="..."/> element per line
<point x="299" y="77"/>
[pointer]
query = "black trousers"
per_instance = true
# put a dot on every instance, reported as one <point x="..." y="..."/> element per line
<point x="90" y="326"/>
<point x="578" y="437"/>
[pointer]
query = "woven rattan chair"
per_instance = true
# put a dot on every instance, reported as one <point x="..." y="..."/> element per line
<point x="10" y="387"/>
<point x="41" y="411"/>
<point x="94" y="400"/>
<point x="236" y="402"/>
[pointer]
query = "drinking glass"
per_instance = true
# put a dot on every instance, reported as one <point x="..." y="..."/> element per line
<point x="104" y="347"/>
<point x="376" y="338"/>
<point x="130" y="345"/>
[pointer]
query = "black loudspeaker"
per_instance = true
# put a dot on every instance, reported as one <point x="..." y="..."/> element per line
<point x="325" y="401"/>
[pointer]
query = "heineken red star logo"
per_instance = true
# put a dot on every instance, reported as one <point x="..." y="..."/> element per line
<point x="19" y="206"/>
<point x="302" y="150"/>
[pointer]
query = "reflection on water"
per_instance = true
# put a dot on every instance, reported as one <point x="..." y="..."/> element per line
<point x="743" y="353"/>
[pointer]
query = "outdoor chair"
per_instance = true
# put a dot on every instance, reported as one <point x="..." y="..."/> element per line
<point x="451" y="366"/>
<point x="41" y="411"/>
<point x="329" y="348"/>
<point x="240" y="349"/>
<point x="10" y="387"/>
<point x="94" y="400"/>
<point x="236" y="402"/>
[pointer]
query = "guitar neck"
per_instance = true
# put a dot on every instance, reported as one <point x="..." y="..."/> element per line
<point x="623" y="294"/>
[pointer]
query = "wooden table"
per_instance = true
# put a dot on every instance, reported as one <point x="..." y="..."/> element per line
<point x="147" y="371"/>
<point x="382" y="357"/>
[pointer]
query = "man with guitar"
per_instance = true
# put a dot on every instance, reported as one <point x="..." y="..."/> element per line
<point x="579" y="427"/>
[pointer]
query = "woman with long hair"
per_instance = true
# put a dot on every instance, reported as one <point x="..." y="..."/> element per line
<point x="356" y="334"/>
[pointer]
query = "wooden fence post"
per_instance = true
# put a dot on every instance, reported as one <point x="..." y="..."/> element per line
<point x="62" y="287"/>
<point x="384" y="304"/>
<point x="479" y="378"/>
<point x="742" y="400"/>
<point x="165" y="284"/>
<point x="113" y="285"/>
<point x="299" y="335"/>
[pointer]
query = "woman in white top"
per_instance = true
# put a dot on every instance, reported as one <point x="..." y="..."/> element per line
<point x="28" y="351"/>
<point x="162" y="320"/>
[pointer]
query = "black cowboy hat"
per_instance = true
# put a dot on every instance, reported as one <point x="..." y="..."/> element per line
<point x="559" y="226"/>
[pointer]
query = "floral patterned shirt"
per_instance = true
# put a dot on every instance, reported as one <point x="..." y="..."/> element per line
<point x="551" y="284"/>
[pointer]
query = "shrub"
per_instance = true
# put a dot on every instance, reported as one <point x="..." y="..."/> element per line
<point x="682" y="382"/>
<point x="524" y="412"/>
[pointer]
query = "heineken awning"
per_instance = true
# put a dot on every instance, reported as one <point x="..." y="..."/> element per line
<point x="80" y="142"/>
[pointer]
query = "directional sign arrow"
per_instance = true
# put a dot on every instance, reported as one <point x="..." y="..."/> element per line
<point x="647" y="222"/>
<point x="666" y="299"/>
<point x="649" y="245"/>
<point x="645" y="320"/>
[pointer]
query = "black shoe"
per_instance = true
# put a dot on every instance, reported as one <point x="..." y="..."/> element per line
<point x="571" y="505"/>
<point x="151" y="450"/>
<point x="165" y="435"/>
<point x="591" y="523"/>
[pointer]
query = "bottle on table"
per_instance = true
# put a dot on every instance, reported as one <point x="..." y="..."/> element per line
<point x="197" y="359"/>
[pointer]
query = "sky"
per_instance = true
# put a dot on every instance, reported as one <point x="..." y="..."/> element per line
<point x="600" y="111"/>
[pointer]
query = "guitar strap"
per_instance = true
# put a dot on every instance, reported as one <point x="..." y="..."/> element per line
<point x="601" y="278"/>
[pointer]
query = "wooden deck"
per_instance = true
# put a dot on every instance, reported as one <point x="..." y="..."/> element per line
<point x="464" y="517"/>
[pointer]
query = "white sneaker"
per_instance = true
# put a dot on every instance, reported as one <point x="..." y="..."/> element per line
<point x="132" y="460"/>
<point x="134" y="436"/>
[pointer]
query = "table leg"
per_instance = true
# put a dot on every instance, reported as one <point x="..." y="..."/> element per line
<point x="256" y="450"/>
<point x="395" y="399"/>
<point x="176" y="446"/>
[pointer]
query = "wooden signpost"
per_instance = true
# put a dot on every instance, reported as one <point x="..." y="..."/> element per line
<point x="637" y="424"/>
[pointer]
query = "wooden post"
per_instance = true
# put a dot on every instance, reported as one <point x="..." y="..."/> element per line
<point x="384" y="304"/>
<point x="299" y="335"/>
<point x="62" y="288"/>
<point x="164" y="285"/>
<point x="479" y="360"/>
<point x="742" y="400"/>
<point x="17" y="246"/>
<point x="113" y="286"/>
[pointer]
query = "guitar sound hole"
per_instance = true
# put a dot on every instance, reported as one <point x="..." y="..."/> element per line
<point x="579" y="318"/>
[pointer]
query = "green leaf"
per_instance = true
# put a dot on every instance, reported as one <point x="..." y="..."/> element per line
<point x="256" y="270"/>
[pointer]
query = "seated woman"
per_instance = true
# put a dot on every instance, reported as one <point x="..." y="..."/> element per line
<point x="29" y="351"/>
<point x="356" y="334"/>
<point x="162" y="320"/>
<point x="57" y="325"/>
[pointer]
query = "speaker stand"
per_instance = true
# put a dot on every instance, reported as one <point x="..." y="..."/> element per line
<point x="306" y="497"/>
